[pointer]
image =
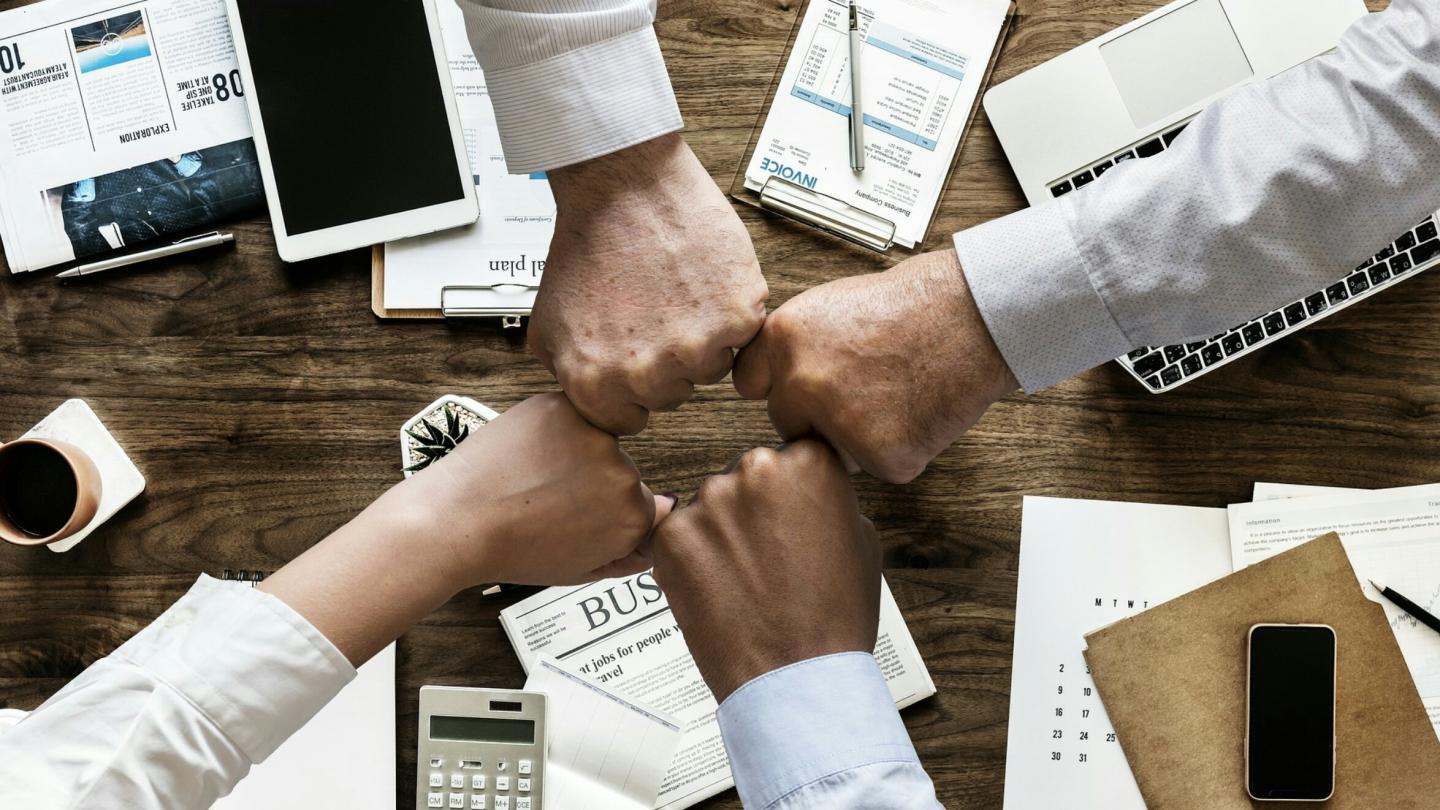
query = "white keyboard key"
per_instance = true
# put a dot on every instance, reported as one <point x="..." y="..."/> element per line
<point x="522" y="784"/>
<point x="457" y="801"/>
<point x="457" y="781"/>
<point x="523" y="768"/>
<point x="477" y="802"/>
<point x="435" y="800"/>
<point x="477" y="782"/>
<point x="501" y="765"/>
<point x="502" y="783"/>
<point x="437" y="762"/>
<point x="437" y="779"/>
<point x="502" y="803"/>
<point x="522" y="803"/>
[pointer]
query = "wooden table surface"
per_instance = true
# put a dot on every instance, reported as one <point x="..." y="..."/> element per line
<point x="262" y="402"/>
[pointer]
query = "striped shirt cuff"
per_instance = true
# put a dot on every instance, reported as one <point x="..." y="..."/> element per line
<point x="1035" y="294"/>
<point x="584" y="103"/>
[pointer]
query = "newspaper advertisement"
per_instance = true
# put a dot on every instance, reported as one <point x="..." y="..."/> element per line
<point x="121" y="124"/>
<point x="620" y="633"/>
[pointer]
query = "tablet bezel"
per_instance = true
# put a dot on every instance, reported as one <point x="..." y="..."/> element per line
<point x="366" y="232"/>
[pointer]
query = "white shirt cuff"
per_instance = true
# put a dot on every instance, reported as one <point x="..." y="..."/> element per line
<point x="582" y="104"/>
<point x="800" y="724"/>
<point x="1036" y="296"/>
<point x="249" y="662"/>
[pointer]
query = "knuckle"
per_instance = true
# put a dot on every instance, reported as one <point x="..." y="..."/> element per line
<point x="758" y="461"/>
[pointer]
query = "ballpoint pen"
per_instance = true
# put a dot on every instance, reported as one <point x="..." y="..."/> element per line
<point x="1421" y="615"/>
<point x="198" y="242"/>
<point x="857" y="118"/>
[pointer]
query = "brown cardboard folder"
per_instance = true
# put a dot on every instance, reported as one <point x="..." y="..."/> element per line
<point x="1173" y="682"/>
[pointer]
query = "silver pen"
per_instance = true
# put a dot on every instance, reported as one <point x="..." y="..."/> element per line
<point x="857" y="118"/>
<point x="197" y="242"/>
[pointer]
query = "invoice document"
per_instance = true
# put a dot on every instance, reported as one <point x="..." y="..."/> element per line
<point x="509" y="242"/>
<point x="1083" y="565"/>
<point x="1391" y="536"/>
<point x="922" y="65"/>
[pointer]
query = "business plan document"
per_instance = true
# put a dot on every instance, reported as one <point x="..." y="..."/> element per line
<point x="922" y="66"/>
<point x="1083" y="565"/>
<point x="1391" y="536"/>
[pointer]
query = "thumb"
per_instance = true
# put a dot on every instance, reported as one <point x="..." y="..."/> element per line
<point x="752" y="368"/>
<point x="664" y="504"/>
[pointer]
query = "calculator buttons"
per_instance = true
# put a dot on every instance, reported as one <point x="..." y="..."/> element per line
<point x="502" y="783"/>
<point x="457" y="800"/>
<point x="522" y="784"/>
<point x="437" y="779"/>
<point x="522" y="803"/>
<point x="502" y="803"/>
<point x="477" y="782"/>
<point x="523" y="768"/>
<point x="437" y="762"/>
<point x="477" y="802"/>
<point x="457" y="781"/>
<point x="502" y="765"/>
<point x="435" y="800"/>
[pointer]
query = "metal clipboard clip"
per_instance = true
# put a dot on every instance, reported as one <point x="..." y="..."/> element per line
<point x="508" y="301"/>
<point x="827" y="213"/>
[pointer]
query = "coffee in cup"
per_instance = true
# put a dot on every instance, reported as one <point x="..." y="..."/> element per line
<point x="49" y="490"/>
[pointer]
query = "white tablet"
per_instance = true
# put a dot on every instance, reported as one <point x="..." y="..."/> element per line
<point x="355" y="121"/>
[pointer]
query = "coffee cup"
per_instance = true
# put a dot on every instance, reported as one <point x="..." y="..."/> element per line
<point x="49" y="490"/>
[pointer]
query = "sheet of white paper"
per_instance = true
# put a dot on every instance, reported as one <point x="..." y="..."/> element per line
<point x="344" y="757"/>
<point x="1390" y="535"/>
<point x="922" y="65"/>
<point x="509" y="243"/>
<point x="605" y="752"/>
<point x="1267" y="491"/>
<point x="1083" y="565"/>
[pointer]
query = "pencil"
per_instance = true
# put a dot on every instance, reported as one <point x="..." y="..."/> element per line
<point x="1421" y="614"/>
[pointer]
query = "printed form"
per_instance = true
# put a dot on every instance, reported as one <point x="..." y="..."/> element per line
<point x="1084" y="565"/>
<point x="922" y="65"/>
<point x="1391" y="536"/>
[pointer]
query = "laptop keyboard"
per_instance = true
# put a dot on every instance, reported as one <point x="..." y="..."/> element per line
<point x="1162" y="368"/>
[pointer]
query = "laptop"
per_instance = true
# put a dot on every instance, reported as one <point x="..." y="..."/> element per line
<point x="1127" y="95"/>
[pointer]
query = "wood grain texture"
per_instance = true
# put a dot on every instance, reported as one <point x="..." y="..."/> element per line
<point x="262" y="401"/>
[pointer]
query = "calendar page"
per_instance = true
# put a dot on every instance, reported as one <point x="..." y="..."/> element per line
<point x="1083" y="565"/>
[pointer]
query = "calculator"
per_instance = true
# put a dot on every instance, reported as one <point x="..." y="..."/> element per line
<point x="480" y="749"/>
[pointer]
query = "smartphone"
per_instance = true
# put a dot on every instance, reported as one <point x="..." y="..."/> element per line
<point x="1290" y="726"/>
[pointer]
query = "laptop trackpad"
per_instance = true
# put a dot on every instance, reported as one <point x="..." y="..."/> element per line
<point x="1175" y="61"/>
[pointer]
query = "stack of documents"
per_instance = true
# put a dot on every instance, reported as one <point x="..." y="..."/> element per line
<point x="1086" y="564"/>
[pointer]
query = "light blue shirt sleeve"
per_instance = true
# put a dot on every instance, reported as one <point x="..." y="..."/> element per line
<point x="822" y="733"/>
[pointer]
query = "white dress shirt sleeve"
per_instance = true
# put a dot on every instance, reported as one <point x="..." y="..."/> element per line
<point x="1273" y="192"/>
<point x="177" y="715"/>
<point x="571" y="80"/>
<point x="823" y="733"/>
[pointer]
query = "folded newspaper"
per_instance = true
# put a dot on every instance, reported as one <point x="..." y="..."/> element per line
<point x="122" y="124"/>
<point x="619" y="633"/>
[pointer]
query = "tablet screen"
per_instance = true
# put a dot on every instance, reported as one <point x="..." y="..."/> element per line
<point x="353" y="109"/>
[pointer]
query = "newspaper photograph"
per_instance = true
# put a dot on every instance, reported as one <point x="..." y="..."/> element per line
<point x="619" y="633"/>
<point x="122" y="124"/>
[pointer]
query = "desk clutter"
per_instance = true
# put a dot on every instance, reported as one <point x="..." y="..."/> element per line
<point x="1129" y="676"/>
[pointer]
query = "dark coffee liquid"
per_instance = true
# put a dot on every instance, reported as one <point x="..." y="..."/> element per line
<point x="37" y="489"/>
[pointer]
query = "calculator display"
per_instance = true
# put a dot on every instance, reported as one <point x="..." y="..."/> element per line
<point x="482" y="729"/>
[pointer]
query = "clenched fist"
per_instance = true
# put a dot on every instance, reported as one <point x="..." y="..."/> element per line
<point x="890" y="367"/>
<point x="771" y="564"/>
<point x="650" y="286"/>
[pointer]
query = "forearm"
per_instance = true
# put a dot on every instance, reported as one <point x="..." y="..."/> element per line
<point x="571" y="81"/>
<point x="1271" y="193"/>
<point x="822" y="733"/>
<point x="371" y="580"/>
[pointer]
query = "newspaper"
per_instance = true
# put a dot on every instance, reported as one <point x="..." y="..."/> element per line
<point x="619" y="633"/>
<point x="121" y="124"/>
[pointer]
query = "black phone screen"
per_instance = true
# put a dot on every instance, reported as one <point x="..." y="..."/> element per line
<point x="1292" y="712"/>
<point x="353" y="109"/>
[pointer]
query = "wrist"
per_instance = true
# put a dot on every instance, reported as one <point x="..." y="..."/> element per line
<point x="583" y="188"/>
<point x="400" y="526"/>
<point x="981" y="361"/>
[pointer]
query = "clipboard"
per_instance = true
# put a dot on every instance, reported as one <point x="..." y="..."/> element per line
<point x="827" y="213"/>
<point x="511" y="303"/>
